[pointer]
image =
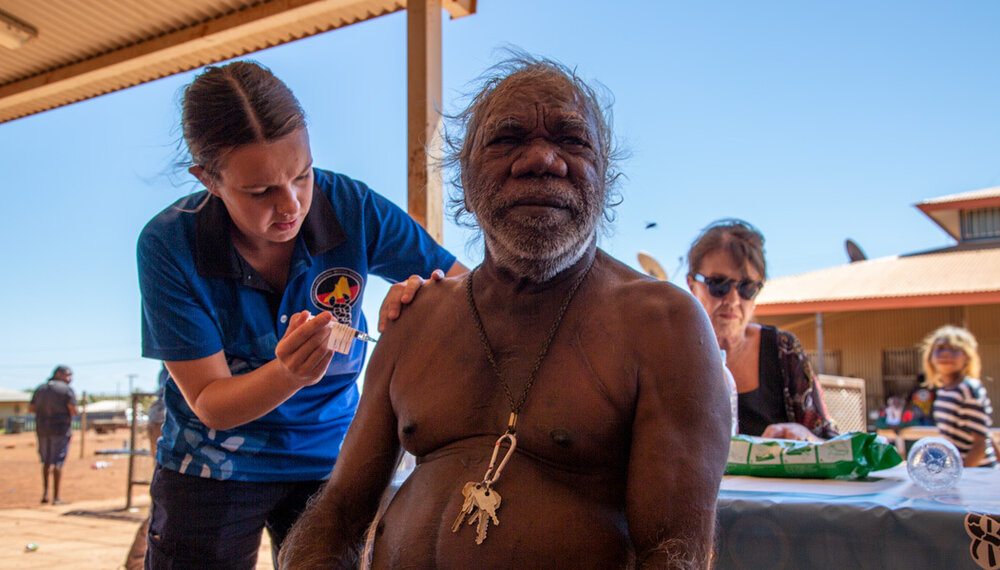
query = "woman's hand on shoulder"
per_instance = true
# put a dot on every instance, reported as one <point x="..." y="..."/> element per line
<point x="789" y="430"/>
<point x="404" y="292"/>
<point x="304" y="352"/>
<point x="400" y="294"/>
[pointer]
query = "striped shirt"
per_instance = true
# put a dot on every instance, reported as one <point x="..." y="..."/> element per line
<point x="962" y="411"/>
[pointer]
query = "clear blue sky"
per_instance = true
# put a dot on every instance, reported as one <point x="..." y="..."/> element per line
<point x="816" y="121"/>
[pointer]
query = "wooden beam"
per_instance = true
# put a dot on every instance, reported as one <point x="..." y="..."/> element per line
<point x="423" y="119"/>
<point x="460" y="8"/>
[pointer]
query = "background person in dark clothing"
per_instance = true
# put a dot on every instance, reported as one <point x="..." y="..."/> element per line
<point x="54" y="405"/>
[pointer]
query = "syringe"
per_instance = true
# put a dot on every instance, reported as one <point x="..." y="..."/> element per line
<point x="364" y="336"/>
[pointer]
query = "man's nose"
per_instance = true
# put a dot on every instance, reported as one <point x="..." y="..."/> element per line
<point x="539" y="158"/>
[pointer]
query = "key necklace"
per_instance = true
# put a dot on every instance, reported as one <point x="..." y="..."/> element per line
<point x="481" y="500"/>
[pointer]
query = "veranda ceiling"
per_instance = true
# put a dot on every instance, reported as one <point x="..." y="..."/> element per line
<point x="86" y="48"/>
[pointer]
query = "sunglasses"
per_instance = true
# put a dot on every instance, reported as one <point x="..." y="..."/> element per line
<point x="720" y="286"/>
<point x="945" y="349"/>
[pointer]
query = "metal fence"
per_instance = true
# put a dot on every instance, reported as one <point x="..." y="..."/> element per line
<point x="18" y="424"/>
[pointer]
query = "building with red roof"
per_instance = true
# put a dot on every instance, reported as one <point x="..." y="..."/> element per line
<point x="869" y="317"/>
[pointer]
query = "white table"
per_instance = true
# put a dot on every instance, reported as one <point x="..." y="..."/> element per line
<point x="883" y="522"/>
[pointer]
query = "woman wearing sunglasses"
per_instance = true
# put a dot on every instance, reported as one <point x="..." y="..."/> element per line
<point x="778" y="393"/>
<point x="962" y="410"/>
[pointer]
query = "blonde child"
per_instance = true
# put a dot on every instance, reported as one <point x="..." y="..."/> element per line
<point x="962" y="410"/>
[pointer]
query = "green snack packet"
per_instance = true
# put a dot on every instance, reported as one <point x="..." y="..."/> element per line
<point x="847" y="456"/>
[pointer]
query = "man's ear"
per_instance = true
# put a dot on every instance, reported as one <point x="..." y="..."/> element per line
<point x="690" y="281"/>
<point x="204" y="177"/>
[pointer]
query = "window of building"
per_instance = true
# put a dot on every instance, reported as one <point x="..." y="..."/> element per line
<point x="981" y="223"/>
<point x="902" y="371"/>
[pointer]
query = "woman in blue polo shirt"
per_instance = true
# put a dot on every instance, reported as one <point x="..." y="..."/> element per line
<point x="258" y="403"/>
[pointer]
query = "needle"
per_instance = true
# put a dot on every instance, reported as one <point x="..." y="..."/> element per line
<point x="364" y="336"/>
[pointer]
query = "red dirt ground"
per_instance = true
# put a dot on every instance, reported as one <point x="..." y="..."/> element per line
<point x="21" y="469"/>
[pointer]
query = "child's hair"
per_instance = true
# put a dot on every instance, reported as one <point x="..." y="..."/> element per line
<point x="959" y="338"/>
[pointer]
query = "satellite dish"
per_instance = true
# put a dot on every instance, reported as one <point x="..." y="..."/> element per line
<point x="854" y="252"/>
<point x="651" y="266"/>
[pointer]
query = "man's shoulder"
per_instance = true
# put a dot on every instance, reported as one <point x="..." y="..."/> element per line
<point x="638" y="293"/>
<point x="435" y="301"/>
<point x="443" y="290"/>
<point x="55" y="387"/>
<point x="51" y="393"/>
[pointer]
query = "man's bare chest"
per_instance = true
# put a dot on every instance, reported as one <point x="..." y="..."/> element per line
<point x="572" y="411"/>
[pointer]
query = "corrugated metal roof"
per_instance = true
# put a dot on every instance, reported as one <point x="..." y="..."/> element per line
<point x="85" y="49"/>
<point x="926" y="280"/>
<point x="993" y="192"/>
<point x="946" y="211"/>
<point x="16" y="396"/>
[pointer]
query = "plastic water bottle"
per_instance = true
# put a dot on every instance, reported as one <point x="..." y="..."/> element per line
<point x="733" y="395"/>
<point x="934" y="464"/>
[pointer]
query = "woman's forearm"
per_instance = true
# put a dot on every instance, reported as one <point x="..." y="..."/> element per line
<point x="229" y="402"/>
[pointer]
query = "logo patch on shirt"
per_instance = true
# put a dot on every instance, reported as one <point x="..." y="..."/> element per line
<point x="337" y="290"/>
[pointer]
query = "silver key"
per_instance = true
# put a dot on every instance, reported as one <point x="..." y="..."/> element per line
<point x="487" y="502"/>
<point x="467" y="507"/>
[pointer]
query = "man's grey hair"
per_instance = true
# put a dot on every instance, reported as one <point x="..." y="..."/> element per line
<point x="461" y="127"/>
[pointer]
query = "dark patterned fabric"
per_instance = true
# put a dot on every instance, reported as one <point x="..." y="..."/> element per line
<point x="787" y="390"/>
<point x="803" y="396"/>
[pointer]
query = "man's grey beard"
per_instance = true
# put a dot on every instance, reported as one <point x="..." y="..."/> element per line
<point x="537" y="249"/>
<point x="536" y="270"/>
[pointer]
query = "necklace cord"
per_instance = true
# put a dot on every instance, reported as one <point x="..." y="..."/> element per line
<point x="542" y="352"/>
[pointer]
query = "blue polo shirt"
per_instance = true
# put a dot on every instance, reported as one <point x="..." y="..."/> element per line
<point x="199" y="296"/>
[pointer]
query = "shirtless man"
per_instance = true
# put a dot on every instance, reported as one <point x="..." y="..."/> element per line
<point x="622" y="416"/>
